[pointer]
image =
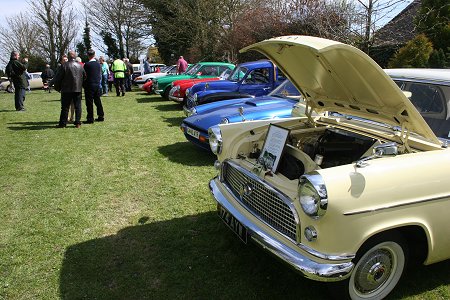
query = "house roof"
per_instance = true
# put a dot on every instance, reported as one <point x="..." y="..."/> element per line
<point x="400" y="29"/>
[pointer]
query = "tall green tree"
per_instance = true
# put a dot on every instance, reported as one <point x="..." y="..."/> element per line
<point x="112" y="51"/>
<point x="86" y="44"/>
<point x="433" y="20"/>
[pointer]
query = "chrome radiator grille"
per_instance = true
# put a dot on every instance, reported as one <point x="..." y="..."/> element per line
<point x="263" y="201"/>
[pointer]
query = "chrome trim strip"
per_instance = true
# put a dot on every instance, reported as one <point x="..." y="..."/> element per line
<point x="328" y="272"/>
<point x="326" y="256"/>
<point x="395" y="206"/>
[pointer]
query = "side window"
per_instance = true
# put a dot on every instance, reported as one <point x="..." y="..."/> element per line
<point x="258" y="76"/>
<point x="222" y="69"/>
<point x="280" y="75"/>
<point x="427" y="98"/>
<point x="207" y="70"/>
<point x="399" y="83"/>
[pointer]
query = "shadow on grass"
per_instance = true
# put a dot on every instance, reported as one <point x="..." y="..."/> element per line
<point x="197" y="257"/>
<point x="419" y="279"/>
<point x="149" y="99"/>
<point x="193" y="257"/>
<point x="32" y="125"/>
<point x="187" y="154"/>
<point x="169" y="107"/>
<point x="173" y="122"/>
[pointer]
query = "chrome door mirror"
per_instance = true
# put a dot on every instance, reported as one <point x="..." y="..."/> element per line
<point x="386" y="149"/>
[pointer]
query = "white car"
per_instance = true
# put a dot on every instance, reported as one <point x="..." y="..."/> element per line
<point x="140" y="80"/>
<point x="35" y="83"/>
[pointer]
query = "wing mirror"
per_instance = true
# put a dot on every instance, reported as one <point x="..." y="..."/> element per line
<point x="386" y="149"/>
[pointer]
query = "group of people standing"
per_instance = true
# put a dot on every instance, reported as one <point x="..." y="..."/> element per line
<point x="71" y="76"/>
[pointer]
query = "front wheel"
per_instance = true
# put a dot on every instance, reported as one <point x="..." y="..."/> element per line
<point x="165" y="94"/>
<point x="10" y="88"/>
<point x="379" y="267"/>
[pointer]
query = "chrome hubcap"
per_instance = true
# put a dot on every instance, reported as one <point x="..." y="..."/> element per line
<point x="374" y="271"/>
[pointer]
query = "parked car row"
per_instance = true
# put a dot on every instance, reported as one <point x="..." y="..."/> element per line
<point x="322" y="172"/>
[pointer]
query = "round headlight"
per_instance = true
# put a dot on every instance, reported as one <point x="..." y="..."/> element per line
<point x="313" y="195"/>
<point x="194" y="99"/>
<point x="215" y="139"/>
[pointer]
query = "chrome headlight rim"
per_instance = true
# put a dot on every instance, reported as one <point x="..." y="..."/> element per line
<point x="313" y="195"/>
<point x="194" y="99"/>
<point x="191" y="111"/>
<point x="215" y="139"/>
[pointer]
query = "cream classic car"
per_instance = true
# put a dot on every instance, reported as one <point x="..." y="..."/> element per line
<point x="350" y="196"/>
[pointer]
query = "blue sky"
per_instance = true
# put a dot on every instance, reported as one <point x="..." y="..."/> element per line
<point x="11" y="7"/>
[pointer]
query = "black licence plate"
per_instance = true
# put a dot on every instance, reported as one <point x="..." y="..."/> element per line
<point x="233" y="223"/>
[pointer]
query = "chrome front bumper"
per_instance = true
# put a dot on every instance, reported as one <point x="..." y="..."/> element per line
<point x="176" y="99"/>
<point x="334" y="271"/>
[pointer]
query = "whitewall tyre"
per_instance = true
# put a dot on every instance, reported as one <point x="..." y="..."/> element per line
<point x="378" y="270"/>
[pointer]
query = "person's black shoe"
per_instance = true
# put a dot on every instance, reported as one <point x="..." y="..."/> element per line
<point x="61" y="126"/>
<point x="89" y="122"/>
<point x="99" y="119"/>
<point x="123" y="94"/>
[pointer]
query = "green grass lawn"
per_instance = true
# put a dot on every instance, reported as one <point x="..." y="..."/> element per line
<point x="121" y="210"/>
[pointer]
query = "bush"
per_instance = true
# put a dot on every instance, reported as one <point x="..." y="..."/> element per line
<point x="415" y="54"/>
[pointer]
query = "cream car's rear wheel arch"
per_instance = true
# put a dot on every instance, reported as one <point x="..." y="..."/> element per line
<point x="379" y="267"/>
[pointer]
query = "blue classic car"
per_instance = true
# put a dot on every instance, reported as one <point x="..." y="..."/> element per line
<point x="248" y="79"/>
<point x="277" y="104"/>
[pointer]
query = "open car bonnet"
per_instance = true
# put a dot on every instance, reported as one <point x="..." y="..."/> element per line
<point x="340" y="78"/>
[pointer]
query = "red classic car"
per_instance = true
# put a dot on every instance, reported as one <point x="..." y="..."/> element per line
<point x="178" y="91"/>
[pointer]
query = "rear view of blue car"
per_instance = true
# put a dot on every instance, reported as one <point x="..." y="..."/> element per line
<point x="277" y="104"/>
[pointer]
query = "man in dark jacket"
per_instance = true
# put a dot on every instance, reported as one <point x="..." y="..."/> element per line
<point x="47" y="75"/>
<point x="128" y="74"/>
<point x="16" y="71"/>
<point x="92" y="88"/>
<point x="69" y="81"/>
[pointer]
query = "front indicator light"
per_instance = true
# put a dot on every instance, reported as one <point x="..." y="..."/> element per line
<point x="310" y="233"/>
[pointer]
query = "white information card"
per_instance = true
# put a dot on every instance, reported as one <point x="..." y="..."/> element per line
<point x="273" y="147"/>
